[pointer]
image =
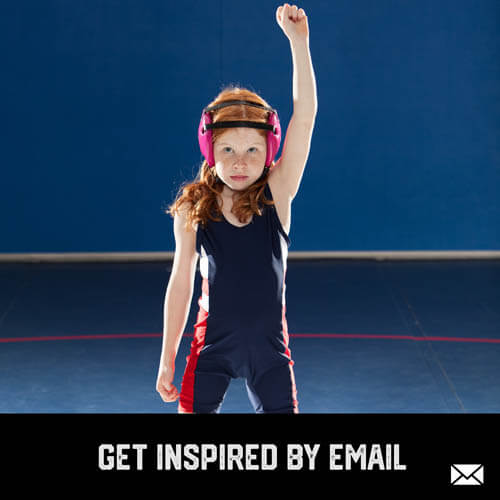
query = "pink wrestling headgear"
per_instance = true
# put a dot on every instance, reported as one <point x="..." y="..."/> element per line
<point x="205" y="133"/>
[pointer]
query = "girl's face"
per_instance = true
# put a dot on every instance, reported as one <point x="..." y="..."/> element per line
<point x="240" y="157"/>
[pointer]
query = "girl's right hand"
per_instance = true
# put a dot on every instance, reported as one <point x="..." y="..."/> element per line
<point x="164" y="386"/>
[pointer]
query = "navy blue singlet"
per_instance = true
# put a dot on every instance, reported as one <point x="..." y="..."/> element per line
<point x="241" y="328"/>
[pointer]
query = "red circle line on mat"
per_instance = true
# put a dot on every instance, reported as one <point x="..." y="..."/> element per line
<point x="296" y="335"/>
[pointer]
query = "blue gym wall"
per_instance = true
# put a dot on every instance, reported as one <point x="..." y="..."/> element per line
<point x="101" y="102"/>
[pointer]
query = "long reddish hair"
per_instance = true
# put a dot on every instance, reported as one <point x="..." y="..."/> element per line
<point x="201" y="195"/>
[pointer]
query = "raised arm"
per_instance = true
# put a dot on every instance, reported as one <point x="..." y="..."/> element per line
<point x="290" y="167"/>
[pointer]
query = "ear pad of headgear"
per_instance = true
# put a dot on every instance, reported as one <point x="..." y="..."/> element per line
<point x="273" y="137"/>
<point x="205" y="138"/>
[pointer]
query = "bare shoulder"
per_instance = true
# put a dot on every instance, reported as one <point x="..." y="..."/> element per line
<point x="281" y="195"/>
<point x="278" y="182"/>
<point x="185" y="240"/>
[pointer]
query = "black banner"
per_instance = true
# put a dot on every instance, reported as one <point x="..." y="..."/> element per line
<point x="404" y="452"/>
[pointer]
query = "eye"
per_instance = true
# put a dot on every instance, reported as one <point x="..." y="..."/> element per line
<point x="225" y="148"/>
<point x="252" y="148"/>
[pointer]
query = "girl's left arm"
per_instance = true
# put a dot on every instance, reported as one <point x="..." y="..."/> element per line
<point x="290" y="167"/>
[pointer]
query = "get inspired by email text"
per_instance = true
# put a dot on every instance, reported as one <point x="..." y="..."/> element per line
<point x="340" y="456"/>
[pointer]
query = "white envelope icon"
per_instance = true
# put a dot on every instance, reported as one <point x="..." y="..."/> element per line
<point x="467" y="474"/>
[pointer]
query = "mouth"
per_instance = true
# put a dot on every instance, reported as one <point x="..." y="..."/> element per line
<point x="239" y="177"/>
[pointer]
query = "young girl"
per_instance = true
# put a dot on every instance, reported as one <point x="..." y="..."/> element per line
<point x="236" y="217"/>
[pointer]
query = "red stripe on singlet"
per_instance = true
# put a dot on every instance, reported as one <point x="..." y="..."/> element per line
<point x="291" y="363"/>
<point x="186" y="398"/>
<point x="287" y="350"/>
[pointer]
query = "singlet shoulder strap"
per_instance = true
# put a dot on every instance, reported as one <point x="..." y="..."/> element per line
<point x="267" y="192"/>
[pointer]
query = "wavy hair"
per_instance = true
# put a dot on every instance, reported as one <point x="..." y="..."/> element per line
<point x="201" y="195"/>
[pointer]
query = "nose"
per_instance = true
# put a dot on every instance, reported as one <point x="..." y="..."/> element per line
<point x="240" y="161"/>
